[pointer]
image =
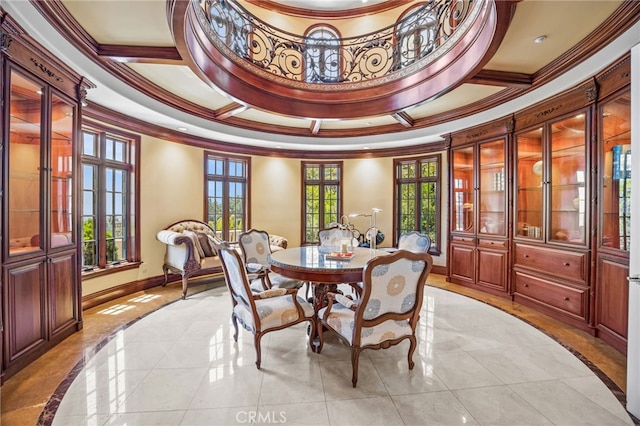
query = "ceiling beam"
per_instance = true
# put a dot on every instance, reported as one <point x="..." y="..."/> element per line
<point x="502" y="79"/>
<point x="315" y="126"/>
<point x="404" y="118"/>
<point x="230" y="110"/>
<point x="143" y="54"/>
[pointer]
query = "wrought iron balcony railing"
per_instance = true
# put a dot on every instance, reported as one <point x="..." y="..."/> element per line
<point x="320" y="57"/>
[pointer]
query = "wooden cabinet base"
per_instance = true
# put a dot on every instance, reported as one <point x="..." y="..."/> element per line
<point x="612" y="300"/>
<point x="28" y="357"/>
<point x="565" y="302"/>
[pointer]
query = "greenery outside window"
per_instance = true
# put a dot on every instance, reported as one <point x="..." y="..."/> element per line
<point x="322" y="198"/>
<point x="226" y="198"/>
<point x="417" y="198"/>
<point x="109" y="206"/>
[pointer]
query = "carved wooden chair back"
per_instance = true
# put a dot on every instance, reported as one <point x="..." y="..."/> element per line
<point x="260" y="313"/>
<point x="388" y="309"/>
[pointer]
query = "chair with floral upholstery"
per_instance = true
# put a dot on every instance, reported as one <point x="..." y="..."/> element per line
<point x="415" y="242"/>
<point x="333" y="238"/>
<point x="261" y="313"/>
<point x="388" y="310"/>
<point x="256" y="251"/>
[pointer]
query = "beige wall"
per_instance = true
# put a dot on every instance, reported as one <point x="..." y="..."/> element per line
<point x="348" y="27"/>
<point x="172" y="189"/>
<point x="275" y="197"/>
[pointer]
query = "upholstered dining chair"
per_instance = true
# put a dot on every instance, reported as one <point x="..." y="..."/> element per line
<point x="333" y="237"/>
<point x="261" y="313"/>
<point x="256" y="250"/>
<point x="414" y="241"/>
<point x="388" y="310"/>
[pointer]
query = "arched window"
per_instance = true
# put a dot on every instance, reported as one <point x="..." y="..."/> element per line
<point x="322" y="56"/>
<point x="417" y="34"/>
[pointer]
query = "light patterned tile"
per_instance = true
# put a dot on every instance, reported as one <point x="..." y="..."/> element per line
<point x="499" y="406"/>
<point x="367" y="411"/>
<point x="433" y="408"/>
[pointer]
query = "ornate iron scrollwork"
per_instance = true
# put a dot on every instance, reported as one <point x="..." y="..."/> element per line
<point x="313" y="59"/>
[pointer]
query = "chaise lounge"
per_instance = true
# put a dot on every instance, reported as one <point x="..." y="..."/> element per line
<point x="192" y="250"/>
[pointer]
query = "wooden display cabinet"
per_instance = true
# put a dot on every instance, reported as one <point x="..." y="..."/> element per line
<point x="551" y="244"/>
<point x="41" y="294"/>
<point x="479" y="185"/>
<point x="614" y="207"/>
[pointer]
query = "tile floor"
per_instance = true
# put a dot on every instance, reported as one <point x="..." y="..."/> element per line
<point x="475" y="364"/>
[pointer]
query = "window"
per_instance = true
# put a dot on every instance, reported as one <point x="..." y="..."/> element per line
<point x="417" y="198"/>
<point x="227" y="194"/>
<point x="417" y="34"/>
<point x="109" y="206"/>
<point x="322" y="197"/>
<point x="322" y="55"/>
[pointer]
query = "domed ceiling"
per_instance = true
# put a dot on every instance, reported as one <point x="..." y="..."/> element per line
<point x="136" y="55"/>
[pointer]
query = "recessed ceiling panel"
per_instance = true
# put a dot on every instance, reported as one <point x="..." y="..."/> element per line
<point x="359" y="124"/>
<point x="133" y="22"/>
<point x="564" y="23"/>
<point x="190" y="87"/>
<point x="457" y="98"/>
<point x="273" y="119"/>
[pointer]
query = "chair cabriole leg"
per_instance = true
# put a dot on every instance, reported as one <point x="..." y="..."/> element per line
<point x="185" y="282"/>
<point x="256" y="342"/>
<point x="234" y="320"/>
<point x="165" y="271"/>
<point x="355" y="356"/>
<point x="412" y="348"/>
<point x="319" y="328"/>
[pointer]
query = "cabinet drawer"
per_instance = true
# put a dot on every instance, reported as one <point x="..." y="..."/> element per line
<point x="567" y="299"/>
<point x="463" y="240"/>
<point x="559" y="263"/>
<point x="492" y="244"/>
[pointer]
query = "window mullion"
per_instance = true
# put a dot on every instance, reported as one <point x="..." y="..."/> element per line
<point x="101" y="227"/>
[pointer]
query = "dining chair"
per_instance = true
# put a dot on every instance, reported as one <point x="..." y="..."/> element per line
<point x="414" y="241"/>
<point x="388" y="310"/>
<point x="261" y="313"/>
<point x="256" y="251"/>
<point x="332" y="239"/>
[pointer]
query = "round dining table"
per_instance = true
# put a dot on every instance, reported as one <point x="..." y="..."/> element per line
<point x="316" y="265"/>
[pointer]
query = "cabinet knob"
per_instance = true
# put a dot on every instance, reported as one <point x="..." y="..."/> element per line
<point x="525" y="285"/>
<point x="566" y="263"/>
<point x="566" y="298"/>
<point x="526" y="256"/>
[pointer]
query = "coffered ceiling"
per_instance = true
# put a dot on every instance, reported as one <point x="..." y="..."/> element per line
<point x="128" y="50"/>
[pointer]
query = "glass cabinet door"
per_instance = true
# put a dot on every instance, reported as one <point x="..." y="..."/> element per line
<point x="61" y="190"/>
<point x="492" y="200"/>
<point x="463" y="189"/>
<point x="529" y="180"/>
<point x="567" y="180"/>
<point x="25" y="183"/>
<point x="615" y="202"/>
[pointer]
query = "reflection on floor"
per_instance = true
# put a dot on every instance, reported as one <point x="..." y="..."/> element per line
<point x="179" y="365"/>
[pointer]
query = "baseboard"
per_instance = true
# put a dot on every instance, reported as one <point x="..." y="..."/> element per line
<point x="107" y="295"/>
